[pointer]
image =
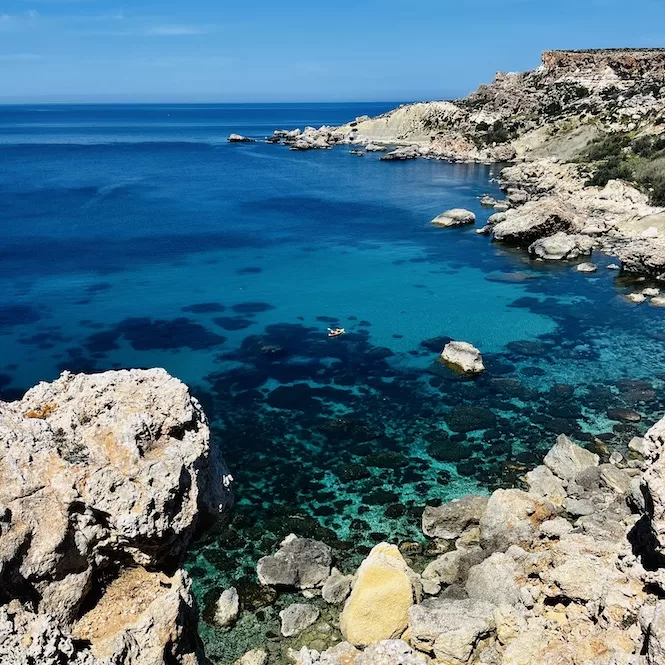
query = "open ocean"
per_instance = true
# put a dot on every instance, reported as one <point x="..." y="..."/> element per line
<point x="136" y="236"/>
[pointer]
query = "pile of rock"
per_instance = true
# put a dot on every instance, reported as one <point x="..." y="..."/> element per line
<point x="570" y="572"/>
<point x="103" y="480"/>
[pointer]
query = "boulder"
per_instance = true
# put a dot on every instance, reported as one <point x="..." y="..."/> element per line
<point x="373" y="147"/>
<point x="561" y="246"/>
<point x="228" y="607"/>
<point x="463" y="357"/>
<point x="587" y="267"/>
<point x="106" y="477"/>
<point x="450" y="630"/>
<point x="382" y="594"/>
<point x="512" y="517"/>
<point x="637" y="298"/>
<point x="497" y="580"/>
<point x="337" y="587"/>
<point x="566" y="459"/>
<point x="237" y="138"/>
<point x="653" y="483"/>
<point x="451" y="519"/>
<point x="544" y="483"/>
<point x="615" y="479"/>
<point x="534" y="220"/>
<point x="401" y="154"/>
<point x="300" y="563"/>
<point x="453" y="567"/>
<point x="643" y="256"/>
<point x="517" y="196"/>
<point x="297" y="617"/>
<point x="455" y="217"/>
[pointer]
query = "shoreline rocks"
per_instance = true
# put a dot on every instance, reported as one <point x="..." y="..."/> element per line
<point x="454" y="217"/>
<point x="77" y="457"/>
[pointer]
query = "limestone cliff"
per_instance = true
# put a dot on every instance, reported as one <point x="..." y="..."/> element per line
<point x="103" y="480"/>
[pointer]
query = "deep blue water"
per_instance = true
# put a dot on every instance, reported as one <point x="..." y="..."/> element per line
<point x="136" y="236"/>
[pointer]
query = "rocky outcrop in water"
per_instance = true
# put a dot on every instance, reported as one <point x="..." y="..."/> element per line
<point x="103" y="481"/>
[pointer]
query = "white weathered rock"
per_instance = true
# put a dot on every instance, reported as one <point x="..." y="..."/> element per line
<point x="297" y="617"/>
<point x="450" y="630"/>
<point x="637" y="298"/>
<point x="543" y="482"/>
<point x="373" y="147"/>
<point x="587" y="267"/>
<point x="228" y="607"/>
<point x="656" y="636"/>
<point x="91" y="468"/>
<point x="455" y="217"/>
<point x="463" y="356"/>
<point x="566" y="459"/>
<point x="512" y="517"/>
<point x="401" y="154"/>
<point x="496" y="580"/>
<point x="534" y="220"/>
<point x="562" y="246"/>
<point x="237" y="138"/>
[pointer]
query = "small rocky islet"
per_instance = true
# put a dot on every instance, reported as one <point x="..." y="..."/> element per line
<point x="347" y="544"/>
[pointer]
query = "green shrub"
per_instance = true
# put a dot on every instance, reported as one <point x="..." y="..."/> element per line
<point x="498" y="133"/>
<point x="651" y="176"/>
<point x="610" y="146"/>
<point x="614" y="168"/>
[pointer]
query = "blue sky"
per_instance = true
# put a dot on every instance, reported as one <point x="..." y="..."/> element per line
<point x="294" y="50"/>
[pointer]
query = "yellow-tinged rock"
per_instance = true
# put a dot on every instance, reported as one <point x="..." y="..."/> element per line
<point x="378" y="606"/>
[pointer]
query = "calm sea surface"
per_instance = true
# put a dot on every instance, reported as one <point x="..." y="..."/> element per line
<point x="135" y="236"/>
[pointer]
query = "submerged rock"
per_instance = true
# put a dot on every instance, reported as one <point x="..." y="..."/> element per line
<point x="455" y="217"/>
<point x="464" y="357"/>
<point x="382" y="594"/>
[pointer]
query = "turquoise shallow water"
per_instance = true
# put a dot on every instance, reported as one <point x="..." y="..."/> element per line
<point x="136" y="236"/>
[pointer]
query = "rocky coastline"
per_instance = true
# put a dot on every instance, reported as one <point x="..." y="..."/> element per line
<point x="105" y="478"/>
<point x="544" y="123"/>
<point x="103" y="481"/>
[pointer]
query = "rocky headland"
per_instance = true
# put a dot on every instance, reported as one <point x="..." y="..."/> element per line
<point x="584" y="133"/>
<point x="103" y="481"/>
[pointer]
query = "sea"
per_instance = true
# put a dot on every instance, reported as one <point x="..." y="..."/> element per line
<point x="137" y="236"/>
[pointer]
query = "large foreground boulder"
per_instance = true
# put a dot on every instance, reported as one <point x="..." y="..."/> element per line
<point x="383" y="591"/>
<point x="103" y="480"/>
<point x="450" y="520"/>
<point x="455" y="217"/>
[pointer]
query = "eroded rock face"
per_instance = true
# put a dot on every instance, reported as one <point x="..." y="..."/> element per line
<point x="108" y="472"/>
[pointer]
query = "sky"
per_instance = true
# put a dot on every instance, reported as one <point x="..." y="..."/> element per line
<point x="294" y="50"/>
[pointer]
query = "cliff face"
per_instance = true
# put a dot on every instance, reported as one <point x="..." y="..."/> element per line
<point x="102" y="481"/>
<point x="627" y="63"/>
